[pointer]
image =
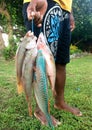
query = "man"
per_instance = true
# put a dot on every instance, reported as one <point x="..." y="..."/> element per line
<point x="55" y="19"/>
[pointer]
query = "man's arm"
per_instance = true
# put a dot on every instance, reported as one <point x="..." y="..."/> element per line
<point x="72" y="22"/>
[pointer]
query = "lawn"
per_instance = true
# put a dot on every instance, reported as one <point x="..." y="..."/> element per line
<point x="78" y="93"/>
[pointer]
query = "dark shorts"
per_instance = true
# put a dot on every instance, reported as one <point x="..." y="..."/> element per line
<point x="56" y="29"/>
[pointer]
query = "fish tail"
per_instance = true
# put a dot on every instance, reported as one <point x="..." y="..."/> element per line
<point x="20" y="88"/>
<point x="50" y="124"/>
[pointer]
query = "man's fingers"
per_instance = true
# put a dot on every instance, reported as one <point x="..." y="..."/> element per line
<point x="36" y="15"/>
<point x="38" y="19"/>
<point x="30" y="14"/>
<point x="72" y="27"/>
<point x="36" y="10"/>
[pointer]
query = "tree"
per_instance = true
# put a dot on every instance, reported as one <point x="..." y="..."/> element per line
<point x="83" y="17"/>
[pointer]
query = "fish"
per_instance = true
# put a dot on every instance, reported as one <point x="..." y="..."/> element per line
<point x="50" y="62"/>
<point x="20" y="55"/>
<point x="28" y="69"/>
<point x="41" y="86"/>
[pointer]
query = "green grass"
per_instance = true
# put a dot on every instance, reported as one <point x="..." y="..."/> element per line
<point x="78" y="93"/>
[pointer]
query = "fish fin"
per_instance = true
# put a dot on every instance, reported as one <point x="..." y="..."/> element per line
<point x="20" y="88"/>
<point x="30" y="111"/>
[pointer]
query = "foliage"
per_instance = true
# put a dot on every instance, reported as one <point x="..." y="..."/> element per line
<point x="9" y="52"/>
<point x="78" y="93"/>
<point x="15" y="9"/>
<point x="74" y="49"/>
<point x="83" y="19"/>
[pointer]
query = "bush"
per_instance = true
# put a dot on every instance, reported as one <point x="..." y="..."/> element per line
<point x="74" y="49"/>
<point x="10" y="51"/>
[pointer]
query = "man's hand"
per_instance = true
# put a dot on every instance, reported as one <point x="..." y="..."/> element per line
<point x="72" y="22"/>
<point x="36" y="10"/>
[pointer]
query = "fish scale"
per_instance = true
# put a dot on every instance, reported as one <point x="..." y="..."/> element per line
<point x="41" y="86"/>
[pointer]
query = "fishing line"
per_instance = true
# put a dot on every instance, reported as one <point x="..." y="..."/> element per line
<point x="32" y="24"/>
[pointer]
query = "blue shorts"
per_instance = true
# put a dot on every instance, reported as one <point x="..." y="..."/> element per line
<point x="56" y="29"/>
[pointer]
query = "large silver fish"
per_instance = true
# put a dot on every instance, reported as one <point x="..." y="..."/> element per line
<point x="20" y="55"/>
<point x="41" y="86"/>
<point x="28" y="69"/>
<point x="50" y="62"/>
